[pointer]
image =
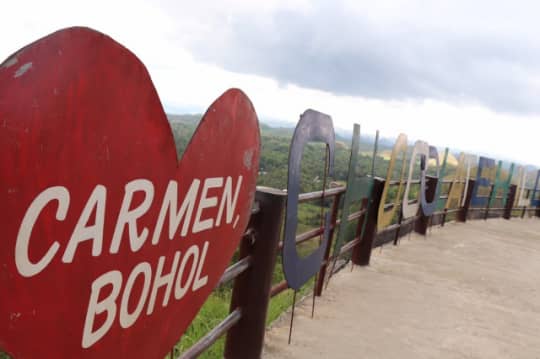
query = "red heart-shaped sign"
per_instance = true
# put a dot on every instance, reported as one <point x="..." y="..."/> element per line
<point x="110" y="246"/>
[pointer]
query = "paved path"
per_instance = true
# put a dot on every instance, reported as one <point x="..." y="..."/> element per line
<point x="467" y="291"/>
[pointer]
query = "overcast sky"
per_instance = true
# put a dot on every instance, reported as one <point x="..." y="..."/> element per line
<point x="464" y="74"/>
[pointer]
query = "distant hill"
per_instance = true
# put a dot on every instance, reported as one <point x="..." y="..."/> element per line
<point x="187" y="118"/>
<point x="276" y="137"/>
<point x="275" y="153"/>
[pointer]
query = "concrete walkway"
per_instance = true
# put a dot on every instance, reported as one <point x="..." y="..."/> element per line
<point x="467" y="291"/>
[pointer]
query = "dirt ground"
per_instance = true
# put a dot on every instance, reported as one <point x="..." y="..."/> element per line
<point x="465" y="291"/>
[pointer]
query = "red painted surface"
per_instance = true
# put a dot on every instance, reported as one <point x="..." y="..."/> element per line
<point x="78" y="110"/>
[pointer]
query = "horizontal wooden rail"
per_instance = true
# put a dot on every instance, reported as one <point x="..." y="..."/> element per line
<point x="331" y="192"/>
<point x="213" y="335"/>
<point x="316" y="232"/>
<point x="348" y="246"/>
<point x="235" y="270"/>
<point x="278" y="288"/>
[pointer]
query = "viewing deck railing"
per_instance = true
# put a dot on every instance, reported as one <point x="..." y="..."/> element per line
<point x="252" y="273"/>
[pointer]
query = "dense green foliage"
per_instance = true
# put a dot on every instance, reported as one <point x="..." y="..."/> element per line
<point x="275" y="153"/>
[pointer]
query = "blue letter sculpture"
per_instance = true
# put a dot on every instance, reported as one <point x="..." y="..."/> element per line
<point x="313" y="126"/>
<point x="535" y="202"/>
<point x="484" y="163"/>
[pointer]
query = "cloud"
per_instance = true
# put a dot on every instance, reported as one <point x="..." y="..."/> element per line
<point x="454" y="73"/>
<point x="485" y="53"/>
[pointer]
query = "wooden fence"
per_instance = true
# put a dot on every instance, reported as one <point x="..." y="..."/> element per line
<point x="245" y="326"/>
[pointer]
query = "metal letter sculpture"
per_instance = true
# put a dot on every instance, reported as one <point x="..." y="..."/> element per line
<point x="484" y="178"/>
<point x="385" y="217"/>
<point x="460" y="182"/>
<point x="521" y="198"/>
<point x="440" y="202"/>
<point x="358" y="188"/>
<point x="313" y="126"/>
<point x="535" y="202"/>
<point x="421" y="149"/>
<point x="499" y="184"/>
<point x="429" y="207"/>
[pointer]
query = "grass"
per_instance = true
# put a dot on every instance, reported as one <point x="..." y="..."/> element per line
<point x="216" y="308"/>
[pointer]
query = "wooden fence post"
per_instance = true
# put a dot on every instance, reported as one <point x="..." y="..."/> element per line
<point x="486" y="213"/>
<point x="422" y="223"/>
<point x="510" y="198"/>
<point x="362" y="252"/>
<point x="251" y="292"/>
<point x="524" y="209"/>
<point x="462" y="214"/>
<point x="537" y="212"/>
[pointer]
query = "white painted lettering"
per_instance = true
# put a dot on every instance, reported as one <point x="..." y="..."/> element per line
<point x="200" y="282"/>
<point x="179" y="290"/>
<point x="127" y="319"/>
<point x="228" y="201"/>
<point x="82" y="231"/>
<point x="206" y="202"/>
<point x="161" y="280"/>
<point x="130" y="216"/>
<point x="108" y="304"/>
<point x="25" y="267"/>
<point x="175" y="217"/>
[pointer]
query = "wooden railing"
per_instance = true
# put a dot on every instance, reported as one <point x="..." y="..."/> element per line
<point x="252" y="273"/>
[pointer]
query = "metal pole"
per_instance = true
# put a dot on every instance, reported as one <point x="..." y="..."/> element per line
<point x="292" y="317"/>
